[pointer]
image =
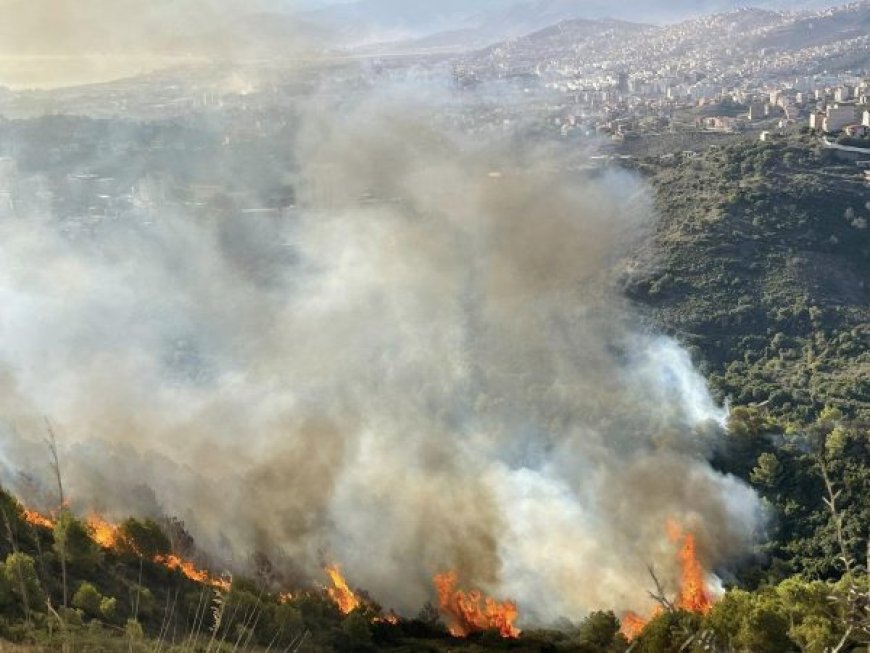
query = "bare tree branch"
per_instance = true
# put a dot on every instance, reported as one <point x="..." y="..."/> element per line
<point x="659" y="595"/>
<point x="856" y="602"/>
<point x="54" y="461"/>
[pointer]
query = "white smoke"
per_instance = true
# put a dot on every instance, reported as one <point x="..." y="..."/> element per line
<point x="424" y="367"/>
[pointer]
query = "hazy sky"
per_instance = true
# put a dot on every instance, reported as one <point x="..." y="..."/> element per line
<point x="204" y="27"/>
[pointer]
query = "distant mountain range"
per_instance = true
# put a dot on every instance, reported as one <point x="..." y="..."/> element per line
<point x="848" y="22"/>
<point x="746" y="31"/>
<point x="260" y="27"/>
<point x="473" y="23"/>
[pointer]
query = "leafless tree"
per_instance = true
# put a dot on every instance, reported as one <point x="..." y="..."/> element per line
<point x="658" y="595"/>
<point x="855" y="602"/>
<point x="51" y="443"/>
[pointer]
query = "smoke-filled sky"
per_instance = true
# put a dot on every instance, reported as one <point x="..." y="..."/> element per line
<point x="426" y="366"/>
<point x="58" y="43"/>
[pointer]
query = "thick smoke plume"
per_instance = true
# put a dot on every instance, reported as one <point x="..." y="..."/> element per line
<point x="427" y="365"/>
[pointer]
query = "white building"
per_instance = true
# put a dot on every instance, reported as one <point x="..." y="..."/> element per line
<point x="843" y="94"/>
<point x="838" y="117"/>
<point x="756" y="111"/>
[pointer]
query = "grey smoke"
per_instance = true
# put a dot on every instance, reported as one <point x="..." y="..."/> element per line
<point x="426" y="366"/>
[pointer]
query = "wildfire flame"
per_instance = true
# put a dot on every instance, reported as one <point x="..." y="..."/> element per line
<point x="693" y="595"/>
<point x="107" y="535"/>
<point x="632" y="625"/>
<point x="340" y="592"/>
<point x="470" y="612"/>
<point x="37" y="519"/>
<point x="103" y="532"/>
<point x="186" y="567"/>
<point x="348" y="601"/>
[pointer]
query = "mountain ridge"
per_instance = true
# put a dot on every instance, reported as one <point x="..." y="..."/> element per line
<point x="210" y="27"/>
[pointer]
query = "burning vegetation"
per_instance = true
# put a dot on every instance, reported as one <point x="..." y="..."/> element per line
<point x="35" y="518"/>
<point x="469" y="612"/>
<point x="346" y="600"/>
<point x="103" y="532"/>
<point x="340" y="592"/>
<point x="693" y="594"/>
<point x="633" y="625"/>
<point x="465" y="612"/>
<point x="190" y="570"/>
<point x="114" y="537"/>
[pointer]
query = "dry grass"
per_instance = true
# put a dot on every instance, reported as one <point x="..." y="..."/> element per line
<point x="7" y="647"/>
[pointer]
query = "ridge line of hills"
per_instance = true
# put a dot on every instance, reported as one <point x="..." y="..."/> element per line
<point x="204" y="28"/>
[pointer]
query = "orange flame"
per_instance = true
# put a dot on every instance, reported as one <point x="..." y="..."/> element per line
<point x="693" y="596"/>
<point x="103" y="532"/>
<point x="348" y="601"/>
<point x="340" y="592"/>
<point x="37" y="519"/>
<point x="107" y="535"/>
<point x="632" y="625"/>
<point x="186" y="567"/>
<point x="471" y="612"/>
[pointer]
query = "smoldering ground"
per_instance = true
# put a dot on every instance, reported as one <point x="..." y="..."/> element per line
<point x="426" y="365"/>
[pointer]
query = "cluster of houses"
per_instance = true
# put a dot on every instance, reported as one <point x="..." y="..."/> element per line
<point x="841" y="118"/>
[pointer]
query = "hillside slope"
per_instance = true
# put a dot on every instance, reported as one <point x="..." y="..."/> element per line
<point x="764" y="258"/>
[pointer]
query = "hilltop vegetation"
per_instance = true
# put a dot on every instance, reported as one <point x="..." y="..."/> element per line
<point x="804" y="590"/>
<point x="760" y="266"/>
<point x="763" y="256"/>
